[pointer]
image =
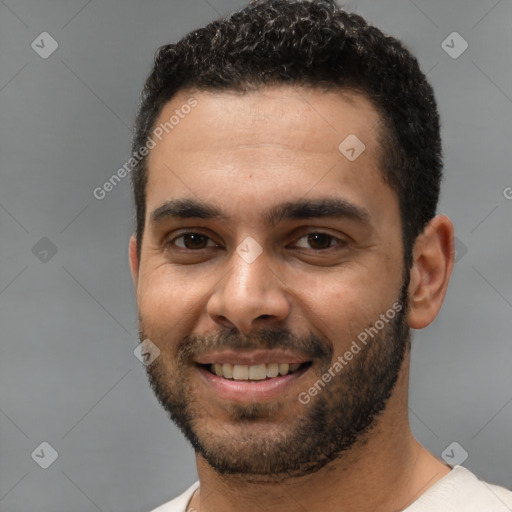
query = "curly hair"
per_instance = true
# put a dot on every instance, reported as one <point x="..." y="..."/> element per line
<point x="310" y="44"/>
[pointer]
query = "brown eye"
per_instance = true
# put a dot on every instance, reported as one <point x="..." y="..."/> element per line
<point x="192" y="241"/>
<point x="319" y="241"/>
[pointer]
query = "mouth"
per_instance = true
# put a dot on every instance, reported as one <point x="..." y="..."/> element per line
<point x="255" y="381"/>
<point x="254" y="372"/>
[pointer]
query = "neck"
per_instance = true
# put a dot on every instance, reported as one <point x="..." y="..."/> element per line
<point x="387" y="470"/>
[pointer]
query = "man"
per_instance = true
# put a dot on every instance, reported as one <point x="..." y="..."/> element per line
<point x="286" y="242"/>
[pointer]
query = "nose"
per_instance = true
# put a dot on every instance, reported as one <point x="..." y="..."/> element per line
<point x="251" y="293"/>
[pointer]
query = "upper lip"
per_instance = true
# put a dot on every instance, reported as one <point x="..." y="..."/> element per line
<point x="250" y="357"/>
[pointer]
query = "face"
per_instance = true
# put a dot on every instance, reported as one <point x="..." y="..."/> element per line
<point x="271" y="277"/>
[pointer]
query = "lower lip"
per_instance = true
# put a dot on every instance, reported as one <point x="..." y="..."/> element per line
<point x="250" y="391"/>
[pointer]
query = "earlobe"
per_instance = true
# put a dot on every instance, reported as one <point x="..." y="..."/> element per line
<point x="134" y="260"/>
<point x="433" y="259"/>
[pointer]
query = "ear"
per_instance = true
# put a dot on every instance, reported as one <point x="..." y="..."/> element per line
<point x="134" y="260"/>
<point x="433" y="260"/>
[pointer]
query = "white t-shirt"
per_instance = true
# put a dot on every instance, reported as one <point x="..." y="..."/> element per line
<point x="459" y="491"/>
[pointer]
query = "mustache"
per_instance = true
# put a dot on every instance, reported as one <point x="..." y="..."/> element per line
<point x="311" y="347"/>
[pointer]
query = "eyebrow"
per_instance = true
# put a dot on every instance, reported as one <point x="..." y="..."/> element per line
<point x="290" y="210"/>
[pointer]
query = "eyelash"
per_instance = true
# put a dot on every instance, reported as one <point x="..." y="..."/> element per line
<point x="171" y="243"/>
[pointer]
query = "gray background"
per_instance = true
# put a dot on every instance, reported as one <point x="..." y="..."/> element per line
<point x="68" y="373"/>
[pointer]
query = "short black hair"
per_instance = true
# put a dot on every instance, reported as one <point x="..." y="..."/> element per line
<point x="311" y="44"/>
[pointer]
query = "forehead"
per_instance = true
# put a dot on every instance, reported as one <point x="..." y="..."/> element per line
<point x="278" y="139"/>
<point x="293" y="117"/>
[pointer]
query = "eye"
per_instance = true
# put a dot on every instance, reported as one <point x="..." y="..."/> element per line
<point x="192" y="241"/>
<point x="319" y="241"/>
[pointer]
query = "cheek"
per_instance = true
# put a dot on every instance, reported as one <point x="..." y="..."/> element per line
<point x="337" y="303"/>
<point x="342" y="304"/>
<point x="169" y="303"/>
<point x="350" y="308"/>
<point x="159" y="300"/>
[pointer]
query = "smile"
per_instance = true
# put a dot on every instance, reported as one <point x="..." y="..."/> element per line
<point x="254" y="372"/>
<point x="251" y="375"/>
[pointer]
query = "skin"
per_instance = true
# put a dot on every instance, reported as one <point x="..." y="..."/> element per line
<point x="246" y="153"/>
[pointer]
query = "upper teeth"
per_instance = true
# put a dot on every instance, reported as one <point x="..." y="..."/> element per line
<point x="253" y="372"/>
